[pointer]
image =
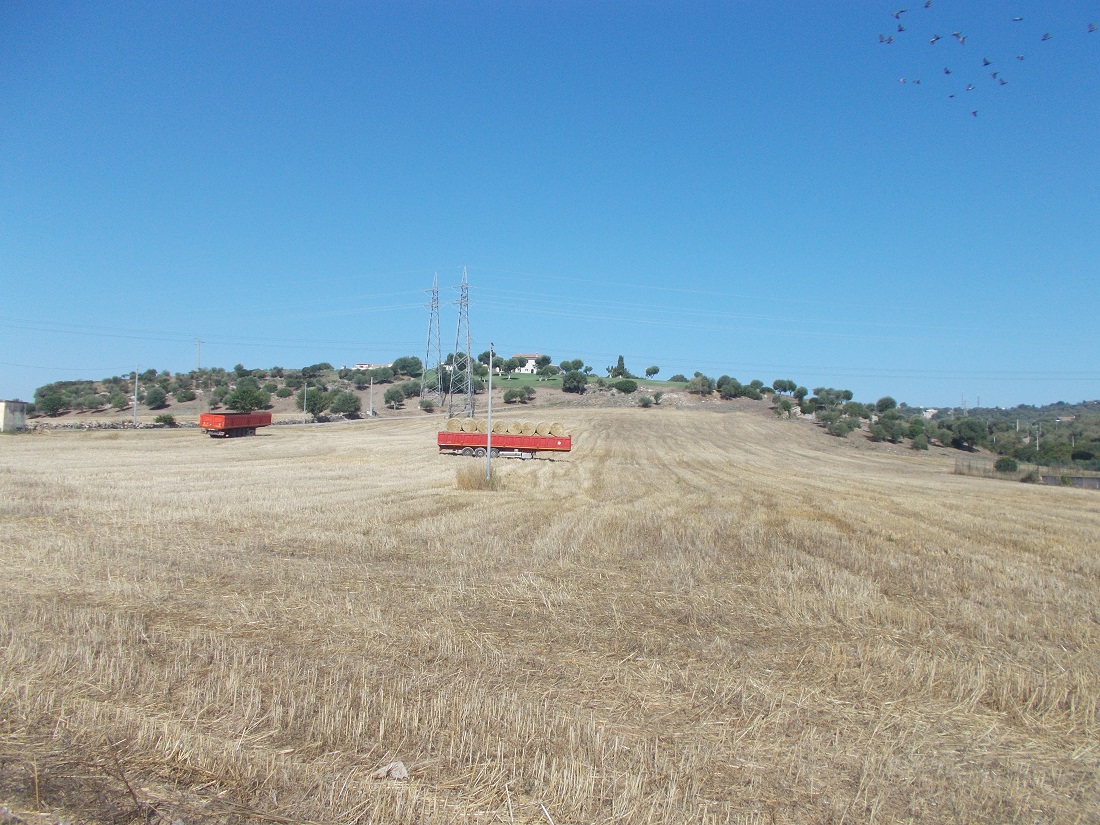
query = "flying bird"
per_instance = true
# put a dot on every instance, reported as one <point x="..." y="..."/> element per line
<point x="928" y="4"/>
<point x="974" y="113"/>
<point x="970" y="87"/>
<point x="1003" y="82"/>
<point x="934" y="39"/>
<point x="1017" y="19"/>
<point x="994" y="75"/>
<point x="899" y="13"/>
<point x="1045" y="36"/>
<point x="901" y="28"/>
<point x="946" y="70"/>
<point x="986" y="61"/>
<point x="1092" y="27"/>
<point x="1019" y="57"/>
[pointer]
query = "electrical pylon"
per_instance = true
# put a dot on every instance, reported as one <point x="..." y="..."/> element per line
<point x="460" y="400"/>
<point x="433" y="360"/>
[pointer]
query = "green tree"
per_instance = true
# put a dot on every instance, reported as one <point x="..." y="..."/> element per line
<point x="155" y="398"/>
<point x="619" y="370"/>
<point x="119" y="400"/>
<point x="626" y="385"/>
<point x="50" y="404"/>
<point x="700" y="385"/>
<point x="394" y="397"/>
<point x="679" y="377"/>
<point x="969" y="432"/>
<point x="316" y="401"/>
<point x="247" y="399"/>
<point x="574" y="381"/>
<point x="885" y="403"/>
<point x="1004" y="464"/>
<point x="345" y="403"/>
<point x="651" y="371"/>
<point x="408" y="365"/>
<point x="184" y="394"/>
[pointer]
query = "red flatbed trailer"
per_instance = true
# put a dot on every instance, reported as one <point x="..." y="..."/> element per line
<point x="231" y="425"/>
<point x="517" y="446"/>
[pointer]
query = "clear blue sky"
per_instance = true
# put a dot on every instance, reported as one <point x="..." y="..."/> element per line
<point x="737" y="188"/>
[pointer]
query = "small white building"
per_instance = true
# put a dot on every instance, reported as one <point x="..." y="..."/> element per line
<point x="13" y="416"/>
<point x="529" y="368"/>
<point x="371" y="366"/>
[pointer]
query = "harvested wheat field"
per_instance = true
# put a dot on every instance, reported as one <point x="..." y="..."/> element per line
<point x="692" y="617"/>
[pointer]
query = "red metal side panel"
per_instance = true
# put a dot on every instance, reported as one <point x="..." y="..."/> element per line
<point x="456" y="441"/>
<point x="233" y="421"/>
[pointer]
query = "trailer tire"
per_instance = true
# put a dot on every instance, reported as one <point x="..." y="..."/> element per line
<point x="479" y="452"/>
<point x="467" y="451"/>
<point x="494" y="453"/>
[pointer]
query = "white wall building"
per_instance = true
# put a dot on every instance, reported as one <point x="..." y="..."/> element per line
<point x="529" y="368"/>
<point x="13" y="416"/>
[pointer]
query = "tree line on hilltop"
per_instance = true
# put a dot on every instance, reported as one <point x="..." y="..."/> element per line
<point x="1059" y="434"/>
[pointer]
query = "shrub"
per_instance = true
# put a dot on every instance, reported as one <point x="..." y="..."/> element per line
<point x="920" y="442"/>
<point x="427" y="405"/>
<point x="345" y="403"/>
<point x="626" y="385"/>
<point x="840" y="427"/>
<point x="166" y="419"/>
<point x="645" y="402"/>
<point x="574" y="381"/>
<point x="1005" y="464"/>
<point x="657" y="396"/>
<point x="184" y="394"/>
<point x="155" y="398"/>
<point x="284" y="392"/>
<point x="512" y="396"/>
<point x="701" y="385"/>
<point x="678" y="377"/>
<point x="247" y="399"/>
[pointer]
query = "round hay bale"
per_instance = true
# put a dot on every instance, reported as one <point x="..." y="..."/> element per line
<point x="482" y="426"/>
<point x="527" y="428"/>
<point x="454" y="425"/>
<point x="469" y="425"/>
<point x="500" y="427"/>
<point x="557" y="430"/>
<point x="542" y="428"/>
<point x="514" y="428"/>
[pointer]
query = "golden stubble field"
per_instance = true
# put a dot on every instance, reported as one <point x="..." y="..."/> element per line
<point x="693" y="617"/>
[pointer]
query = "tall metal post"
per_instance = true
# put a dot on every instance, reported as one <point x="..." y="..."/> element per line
<point x="489" y="421"/>
<point x="372" y="396"/>
<point x="136" y="368"/>
<point x="305" y="399"/>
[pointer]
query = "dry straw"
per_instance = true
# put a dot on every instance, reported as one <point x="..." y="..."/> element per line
<point x="689" y="618"/>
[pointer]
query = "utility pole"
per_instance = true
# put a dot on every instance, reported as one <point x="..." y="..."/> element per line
<point x="305" y="399"/>
<point x="198" y="354"/>
<point x="136" y="368"/>
<point x="372" y="396"/>
<point x="489" y="421"/>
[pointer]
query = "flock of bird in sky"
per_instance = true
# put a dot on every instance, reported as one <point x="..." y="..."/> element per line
<point x="963" y="70"/>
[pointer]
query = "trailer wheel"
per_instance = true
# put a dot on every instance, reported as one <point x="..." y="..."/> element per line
<point x="467" y="451"/>
<point x="494" y="452"/>
<point x="479" y="452"/>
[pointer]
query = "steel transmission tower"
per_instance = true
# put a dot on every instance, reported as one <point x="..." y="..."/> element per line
<point x="433" y="359"/>
<point x="460" y="401"/>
